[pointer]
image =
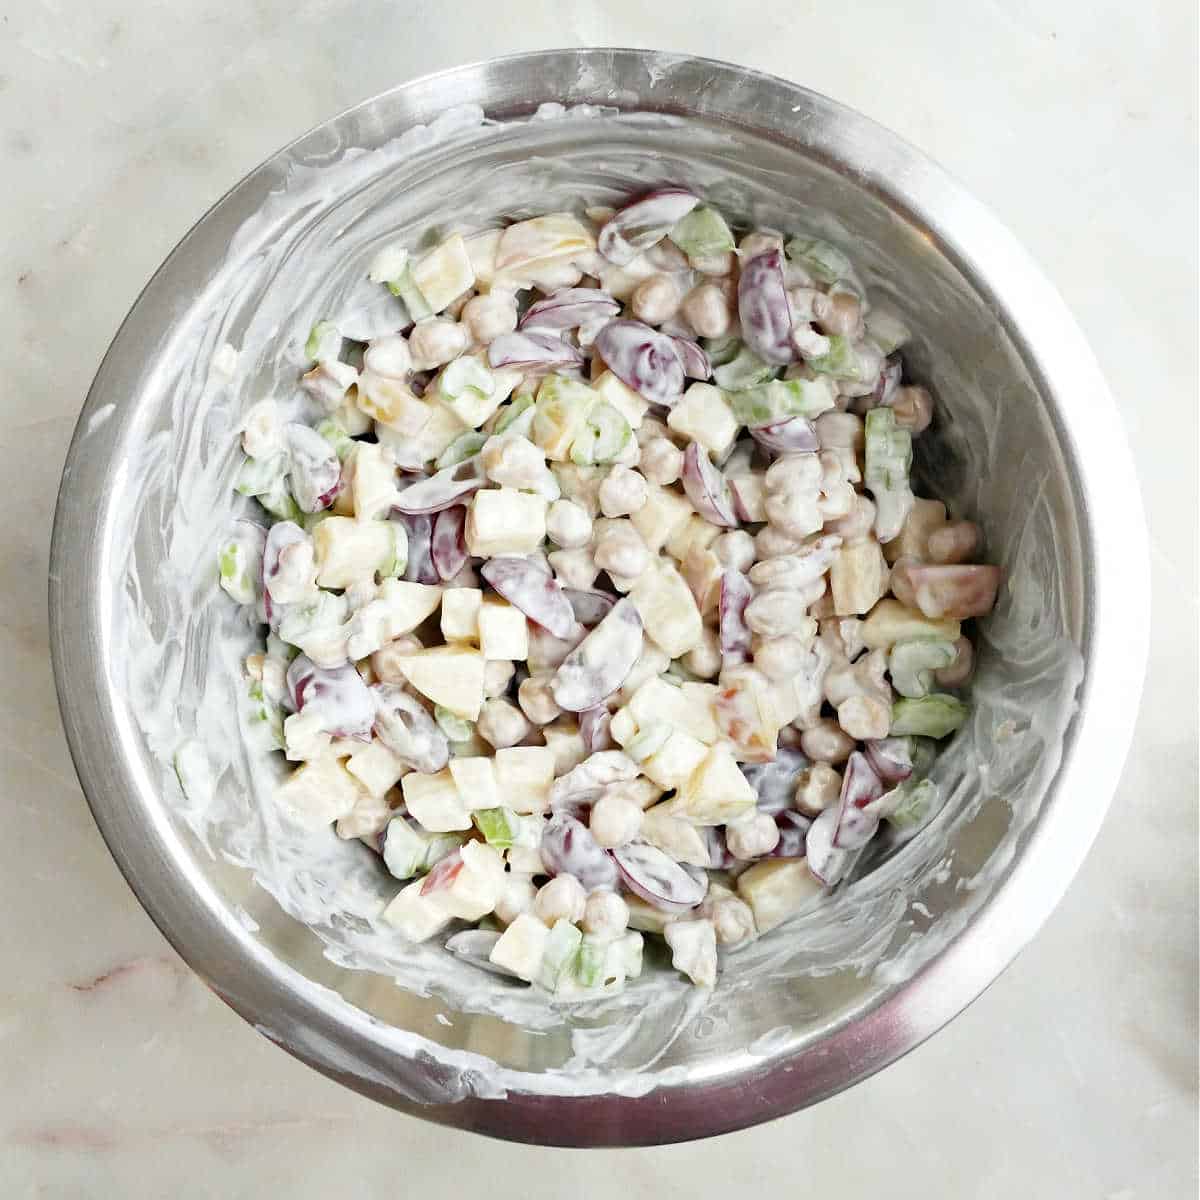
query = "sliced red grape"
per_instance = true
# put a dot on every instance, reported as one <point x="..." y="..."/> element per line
<point x="747" y="500"/>
<point x="526" y="586"/>
<point x="316" y="470"/>
<point x="569" y="308"/>
<point x="533" y="349"/>
<point x="658" y="878"/>
<point x="594" y="729"/>
<point x="599" y="665"/>
<point x="338" y="696"/>
<point x="825" y="861"/>
<point x="447" y="544"/>
<point x="585" y="782"/>
<point x="444" y="874"/>
<point x="774" y="782"/>
<point x="791" y="435"/>
<point x="793" y="834"/>
<point x="719" y="857"/>
<point x="644" y="223"/>
<point x="891" y="759"/>
<point x="707" y="488"/>
<point x="443" y="489"/>
<point x="888" y="381"/>
<point x="764" y="309"/>
<point x="420" y="567"/>
<point x="590" y="608"/>
<point x="567" y="847"/>
<point x="860" y="785"/>
<point x="643" y="359"/>
<point x="695" y="362"/>
<point x="280" y="536"/>
<point x="736" y="593"/>
<point x="406" y="729"/>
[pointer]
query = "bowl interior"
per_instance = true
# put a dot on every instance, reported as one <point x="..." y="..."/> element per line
<point x="291" y="245"/>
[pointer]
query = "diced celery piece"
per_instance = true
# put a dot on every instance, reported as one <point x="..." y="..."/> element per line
<point x="912" y="803"/>
<point x="264" y="718"/>
<point x="464" y="446"/>
<point x="935" y="716"/>
<point x="702" y="233"/>
<point x="388" y="264"/>
<point x="721" y="350"/>
<point x="441" y="845"/>
<point x="465" y="373"/>
<point x="888" y="459"/>
<point x="560" y="414"/>
<point x="337" y="437"/>
<point x="922" y="752"/>
<point x="824" y="262"/>
<point x="456" y="728"/>
<point x="239" y="569"/>
<point x="562" y="946"/>
<point x="517" y="415"/>
<point x="404" y="849"/>
<point x="841" y="361"/>
<point x="782" y="398"/>
<point x="604" y="435"/>
<point x="259" y="476"/>
<point x="406" y="288"/>
<point x="744" y="370"/>
<point x="278" y="501"/>
<point x="500" y="827"/>
<point x="589" y="966"/>
<point x="324" y="342"/>
<point x="886" y="331"/>
<point x="912" y="664"/>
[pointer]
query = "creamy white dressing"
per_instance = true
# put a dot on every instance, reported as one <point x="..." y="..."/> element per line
<point x="304" y="256"/>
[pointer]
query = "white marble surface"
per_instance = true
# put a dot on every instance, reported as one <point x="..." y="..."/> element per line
<point x="120" y="1075"/>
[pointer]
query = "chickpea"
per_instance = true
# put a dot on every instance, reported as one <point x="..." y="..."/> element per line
<point x="752" y="836"/>
<point x="913" y="407"/>
<point x="562" y="899"/>
<point x="516" y="898"/>
<point x="568" y="524"/>
<point x="735" y="550"/>
<point x="662" y="461"/>
<point x="436" y="341"/>
<point x="605" y="915"/>
<point x="717" y="266"/>
<point x="501" y="724"/>
<point x="497" y="675"/>
<point x="707" y="310"/>
<point x="512" y="460"/>
<point x="385" y="662"/>
<point x="620" y="550"/>
<point x="487" y="317"/>
<point x="537" y="700"/>
<point x="955" y="542"/>
<point x="622" y="492"/>
<point x="655" y="299"/>
<point x="758" y="242"/>
<point x="961" y="669"/>
<point x="778" y="612"/>
<point x="772" y="543"/>
<point x="667" y="256"/>
<point x="574" y="568"/>
<point x="827" y="742"/>
<point x="843" y="314"/>
<point x="817" y="788"/>
<point x="733" y="920"/>
<point x="615" y="820"/>
<point x="809" y="342"/>
<point x="781" y="657"/>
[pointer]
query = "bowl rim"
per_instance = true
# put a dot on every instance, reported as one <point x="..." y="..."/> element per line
<point x="351" y="1046"/>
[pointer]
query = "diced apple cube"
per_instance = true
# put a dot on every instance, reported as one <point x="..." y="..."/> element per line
<point x="561" y="950"/>
<point x="370" y="815"/>
<point x="445" y="273"/>
<point x="689" y="708"/>
<point x="475" y="779"/>
<point x="407" y="604"/>
<point x="451" y="676"/>
<point x="777" y="889"/>
<point x="749" y="494"/>
<point x="376" y="767"/>
<point x="439" y="431"/>
<point x="661" y="517"/>
<point x="475" y="887"/>
<point x="435" y="802"/>
<point x="374" y="481"/>
<point x="460" y="614"/>
<point x="913" y="541"/>
<point x="521" y="947"/>
<point x="669" y="613"/>
<point x="481" y="250"/>
<point x="716" y="793"/>
<point x="704" y="415"/>
<point x="523" y="777"/>
<point x="565" y="742"/>
<point x="857" y="578"/>
<point x="503" y="633"/>
<point x="393" y="403"/>
<point x="623" y="726"/>
<point x="675" y="762"/>
<point x="703" y="571"/>
<point x="505" y="521"/>
<point x="644" y="916"/>
<point x="414" y="916"/>
<point x="695" y="531"/>
<point x="674" y="836"/>
<point x="624" y="399"/>
<point x="347" y="550"/>
<point x="890" y="622"/>
<point x="318" y="792"/>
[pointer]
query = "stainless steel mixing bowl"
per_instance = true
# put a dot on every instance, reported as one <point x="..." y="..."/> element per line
<point x="1028" y="442"/>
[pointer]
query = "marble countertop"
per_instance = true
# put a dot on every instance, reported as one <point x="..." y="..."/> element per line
<point x="121" y="1075"/>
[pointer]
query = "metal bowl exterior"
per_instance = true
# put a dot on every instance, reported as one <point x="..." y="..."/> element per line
<point x="324" y="1027"/>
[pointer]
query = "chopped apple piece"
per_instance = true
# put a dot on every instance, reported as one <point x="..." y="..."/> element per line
<point x="451" y="676"/>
